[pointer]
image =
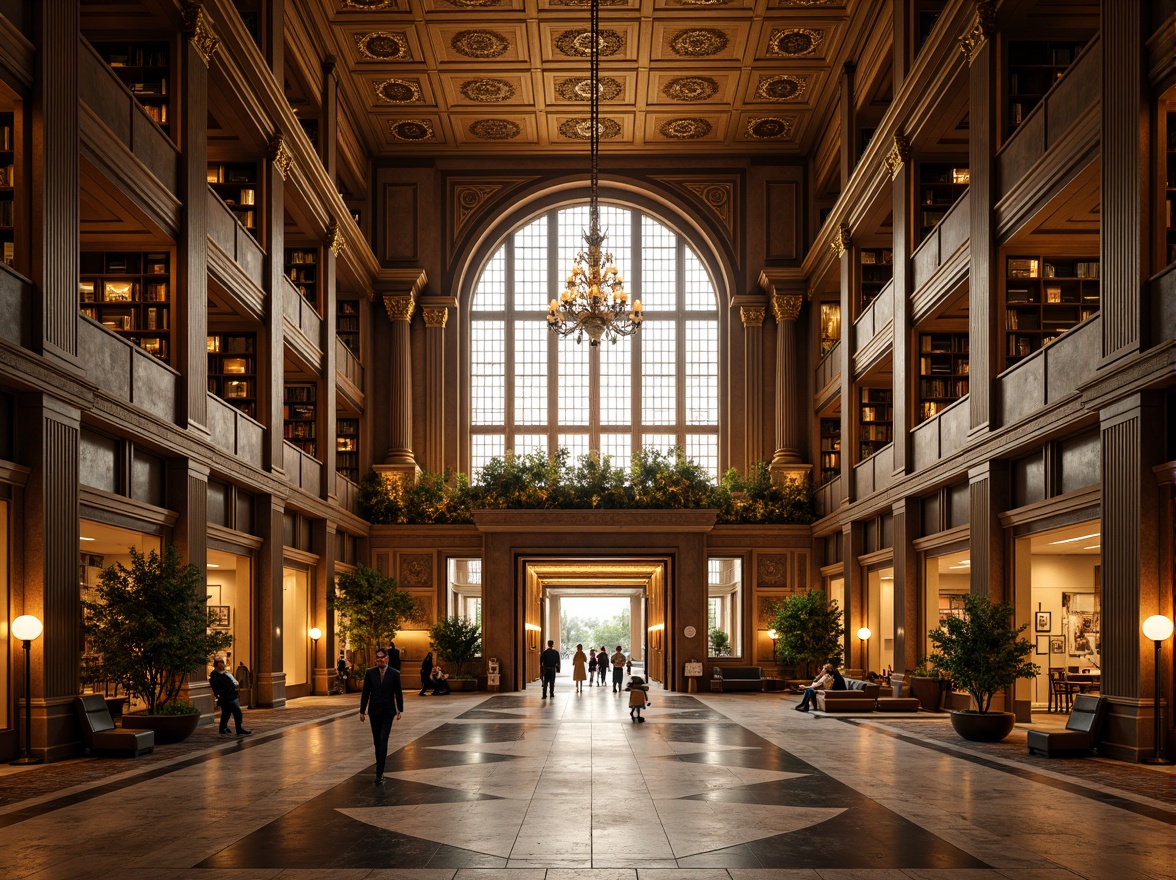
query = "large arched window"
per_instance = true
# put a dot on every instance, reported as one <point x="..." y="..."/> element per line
<point x="531" y="390"/>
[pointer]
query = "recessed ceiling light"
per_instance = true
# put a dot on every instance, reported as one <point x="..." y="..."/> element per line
<point x="84" y="538"/>
<point x="1092" y="547"/>
<point x="1079" y="538"/>
<point x="213" y="565"/>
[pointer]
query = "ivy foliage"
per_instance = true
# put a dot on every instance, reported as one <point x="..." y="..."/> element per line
<point x="149" y="626"/>
<point x="536" y="481"/>
<point x="982" y="652"/>
<point x="809" y="630"/>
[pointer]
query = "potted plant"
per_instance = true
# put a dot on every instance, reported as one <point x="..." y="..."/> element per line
<point x="371" y="611"/>
<point x="983" y="653"/>
<point x="720" y="643"/>
<point x="928" y="686"/>
<point x="455" y="642"/>
<point x="149" y="627"/>
<point x="808" y="630"/>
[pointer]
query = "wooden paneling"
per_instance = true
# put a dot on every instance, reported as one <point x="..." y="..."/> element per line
<point x="400" y="221"/>
<point x="783" y="220"/>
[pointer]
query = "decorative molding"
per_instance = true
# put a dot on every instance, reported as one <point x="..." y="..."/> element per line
<point x="470" y="197"/>
<point x="842" y="241"/>
<point x="719" y="196"/>
<point x="435" y="316"/>
<point x="786" y="306"/>
<point x="416" y="570"/>
<point x="279" y="155"/>
<point x="335" y="240"/>
<point x="983" y="27"/>
<point x="752" y="316"/>
<point x="399" y="308"/>
<point x="899" y="155"/>
<point x="199" y="32"/>
<point x="772" y="569"/>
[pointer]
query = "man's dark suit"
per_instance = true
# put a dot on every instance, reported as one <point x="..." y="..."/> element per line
<point x="394" y="657"/>
<point x="382" y="702"/>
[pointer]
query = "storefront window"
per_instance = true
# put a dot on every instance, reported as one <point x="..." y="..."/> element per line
<point x="295" y="626"/>
<point x="879" y="647"/>
<point x="230" y="588"/>
<point x="725" y="607"/>
<point x="947" y="580"/>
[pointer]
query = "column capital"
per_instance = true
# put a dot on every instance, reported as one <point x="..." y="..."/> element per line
<point x="399" y="308"/>
<point x="752" y="316"/>
<point x="842" y="241"/>
<point x="983" y="26"/>
<point x="435" y="316"/>
<point x="199" y="32"/>
<point x="899" y="155"/>
<point x="786" y="307"/>
<point x="335" y="240"/>
<point x="280" y="155"/>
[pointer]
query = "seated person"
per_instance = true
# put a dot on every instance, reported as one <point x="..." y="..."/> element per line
<point x="437" y="679"/>
<point x="829" y="678"/>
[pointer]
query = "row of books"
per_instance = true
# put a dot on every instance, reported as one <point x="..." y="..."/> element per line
<point x="943" y="388"/>
<point x="152" y="319"/>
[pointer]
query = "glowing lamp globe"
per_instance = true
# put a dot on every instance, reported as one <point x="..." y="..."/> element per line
<point x="27" y="628"/>
<point x="864" y="633"/>
<point x="316" y="633"/>
<point x="1158" y="628"/>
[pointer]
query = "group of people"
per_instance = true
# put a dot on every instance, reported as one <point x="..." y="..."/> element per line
<point x="828" y="679"/>
<point x="584" y="667"/>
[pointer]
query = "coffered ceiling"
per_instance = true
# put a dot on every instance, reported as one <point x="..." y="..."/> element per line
<point x="433" y="77"/>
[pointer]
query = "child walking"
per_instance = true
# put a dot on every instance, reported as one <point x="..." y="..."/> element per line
<point x="638" y="690"/>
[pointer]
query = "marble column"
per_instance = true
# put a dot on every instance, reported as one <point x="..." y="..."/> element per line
<point x="753" y="379"/>
<point x="790" y="411"/>
<point x="842" y="248"/>
<point x="400" y="457"/>
<point x="269" y="678"/>
<point x="435" y="311"/>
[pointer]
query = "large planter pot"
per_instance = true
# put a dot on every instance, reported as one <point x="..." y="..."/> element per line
<point x="989" y="727"/>
<point x="929" y="692"/>
<point x="463" y="684"/>
<point x="168" y="728"/>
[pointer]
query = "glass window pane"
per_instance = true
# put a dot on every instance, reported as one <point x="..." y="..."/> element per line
<point x="488" y="383"/>
<point x="531" y="290"/>
<point x="659" y="268"/>
<point x="490" y="294"/>
<point x="530" y="372"/>
<point x="484" y="447"/>
<point x="576" y="445"/>
<point x="725" y="607"/>
<point x="617" y="224"/>
<point x="525" y="444"/>
<point x="571" y="224"/>
<point x="659" y="373"/>
<point x="700" y="295"/>
<point x="702" y="373"/>
<point x="573" y="384"/>
<point x="664" y="443"/>
<point x="618" y="447"/>
<point x="616" y="383"/>
<point x="703" y="449"/>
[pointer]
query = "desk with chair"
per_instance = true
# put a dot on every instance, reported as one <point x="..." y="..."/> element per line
<point x="1087" y="681"/>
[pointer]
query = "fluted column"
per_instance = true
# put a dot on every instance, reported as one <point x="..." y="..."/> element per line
<point x="786" y="461"/>
<point x="753" y="379"/>
<point x="400" y="309"/>
<point x="435" y="311"/>
<point x="269" y="677"/>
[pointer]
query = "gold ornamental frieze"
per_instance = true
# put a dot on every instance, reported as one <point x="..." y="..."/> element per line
<point x="983" y="27"/>
<point x="899" y="155"/>
<point x="752" y="316"/>
<point x="199" y="32"/>
<point x="842" y="241"/>
<point x="280" y="155"/>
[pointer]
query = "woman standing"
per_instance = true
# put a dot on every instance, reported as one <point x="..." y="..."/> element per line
<point x="579" y="668"/>
<point x="591" y="667"/>
<point x="426" y="673"/>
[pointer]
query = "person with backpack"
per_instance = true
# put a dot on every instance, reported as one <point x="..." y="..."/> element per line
<point x="638" y="697"/>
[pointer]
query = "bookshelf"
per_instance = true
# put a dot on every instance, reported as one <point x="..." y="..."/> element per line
<point x="299" y="415"/>
<point x="347" y="448"/>
<point x="236" y="185"/>
<point x="877" y="268"/>
<point x="943" y="371"/>
<point x="232" y="370"/>
<point x="130" y="294"/>
<point x="876" y="417"/>
<point x="1045" y="297"/>
<point x="144" y="68"/>
<point x="1033" y="67"/>
<point x="1170" y="189"/>
<point x="830" y="450"/>
<point x="940" y="187"/>
<point x="927" y="12"/>
<point x="347" y="324"/>
<point x="8" y="188"/>
<point x="302" y="270"/>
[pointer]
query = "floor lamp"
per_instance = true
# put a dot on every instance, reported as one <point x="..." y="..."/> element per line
<point x="315" y="634"/>
<point x="1158" y="628"/>
<point x="27" y="628"/>
<point x="864" y="634"/>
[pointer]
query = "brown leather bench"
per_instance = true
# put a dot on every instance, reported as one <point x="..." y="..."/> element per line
<point x="858" y="696"/>
<point x="898" y="704"/>
<point x="738" y="678"/>
<point x="100" y="734"/>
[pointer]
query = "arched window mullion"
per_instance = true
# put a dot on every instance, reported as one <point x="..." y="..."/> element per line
<point x="508" y="342"/>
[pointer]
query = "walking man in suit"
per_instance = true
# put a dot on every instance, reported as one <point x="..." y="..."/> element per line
<point x="384" y="700"/>
<point x="548" y="667"/>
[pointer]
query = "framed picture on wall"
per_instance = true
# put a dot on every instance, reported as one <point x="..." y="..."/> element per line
<point x="1081" y="621"/>
<point x="1043" y="621"/>
<point x="219" y="616"/>
<point x="1042" y="647"/>
<point x="1057" y="644"/>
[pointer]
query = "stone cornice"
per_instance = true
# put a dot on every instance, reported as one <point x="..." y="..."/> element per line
<point x="554" y="523"/>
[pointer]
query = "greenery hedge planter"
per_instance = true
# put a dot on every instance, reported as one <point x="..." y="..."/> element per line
<point x="983" y="726"/>
<point x="168" y="728"/>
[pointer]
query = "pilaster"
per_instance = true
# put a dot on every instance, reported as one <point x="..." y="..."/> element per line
<point x="322" y="663"/>
<point x="187" y="494"/>
<point x="271" y="359"/>
<point x="435" y="311"/>
<point x="842" y="247"/>
<point x="752" y="317"/>
<point x="907" y="598"/>
<point x="853" y="542"/>
<point x="988" y="493"/>
<point x="898" y="163"/>
<point x="847" y="112"/>
<point x="269" y="680"/>
<point x="790" y="409"/>
<point x="399" y="291"/>
<point x="329" y="404"/>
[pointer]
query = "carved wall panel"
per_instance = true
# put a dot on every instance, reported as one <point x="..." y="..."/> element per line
<point x="416" y="570"/>
<point x="400" y="221"/>
<point x="783" y="220"/>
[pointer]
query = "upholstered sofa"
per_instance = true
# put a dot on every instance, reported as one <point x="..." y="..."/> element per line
<point x="1081" y="734"/>
<point x="858" y="696"/>
<point x="738" y="678"/>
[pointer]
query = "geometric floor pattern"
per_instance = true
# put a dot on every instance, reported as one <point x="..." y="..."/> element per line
<point x="503" y="786"/>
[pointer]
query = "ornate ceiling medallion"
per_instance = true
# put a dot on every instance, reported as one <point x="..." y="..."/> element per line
<point x="581" y="4"/>
<point x="794" y="41"/>
<point x="782" y="87"/>
<point x="704" y="2"/>
<point x="399" y="91"/>
<point x="691" y="88"/>
<point x="382" y="46"/>
<point x="479" y="44"/>
<point x="369" y="4"/>
<point x="578" y="43"/>
<point x="417" y="130"/>
<point x="474" y="4"/>
<point x="495" y="129"/>
<point x="698" y="42"/>
<point x="488" y="91"/>
<point x="804" y="2"/>
<point x="685" y="128"/>
<point x="769" y="128"/>
<point x="580" y="89"/>
<point x="580" y="129"/>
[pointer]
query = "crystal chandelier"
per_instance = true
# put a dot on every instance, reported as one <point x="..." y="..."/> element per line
<point x="593" y="302"/>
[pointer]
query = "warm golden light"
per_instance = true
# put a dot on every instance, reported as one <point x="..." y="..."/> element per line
<point x="27" y="628"/>
<point x="864" y="633"/>
<point x="1158" y="628"/>
<point x="316" y="633"/>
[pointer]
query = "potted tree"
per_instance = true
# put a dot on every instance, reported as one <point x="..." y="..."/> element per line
<point x="808" y="629"/>
<point x="983" y="653"/>
<point x="456" y="641"/>
<point x="720" y="643"/>
<point x="372" y="609"/>
<point x="928" y="686"/>
<point x="149" y="626"/>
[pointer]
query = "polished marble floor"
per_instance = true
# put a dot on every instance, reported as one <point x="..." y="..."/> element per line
<point x="733" y="786"/>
